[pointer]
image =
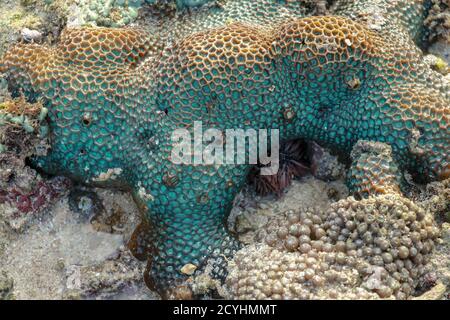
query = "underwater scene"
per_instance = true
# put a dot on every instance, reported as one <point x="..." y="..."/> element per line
<point x="224" y="149"/>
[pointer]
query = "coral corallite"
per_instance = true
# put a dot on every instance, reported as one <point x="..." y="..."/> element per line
<point x="116" y="95"/>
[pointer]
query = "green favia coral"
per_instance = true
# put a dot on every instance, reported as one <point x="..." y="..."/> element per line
<point x="116" y="95"/>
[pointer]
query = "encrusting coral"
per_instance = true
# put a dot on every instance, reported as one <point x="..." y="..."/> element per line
<point x="115" y="96"/>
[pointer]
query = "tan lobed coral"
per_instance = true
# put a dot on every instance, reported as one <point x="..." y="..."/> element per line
<point x="374" y="248"/>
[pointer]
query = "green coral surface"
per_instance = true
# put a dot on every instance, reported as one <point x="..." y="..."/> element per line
<point x="115" y="96"/>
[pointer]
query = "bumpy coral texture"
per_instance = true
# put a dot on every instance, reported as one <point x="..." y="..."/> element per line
<point x="116" y="95"/>
<point x="377" y="247"/>
<point x="374" y="248"/>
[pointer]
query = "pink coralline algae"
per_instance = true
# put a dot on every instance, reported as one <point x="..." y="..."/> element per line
<point x="43" y="194"/>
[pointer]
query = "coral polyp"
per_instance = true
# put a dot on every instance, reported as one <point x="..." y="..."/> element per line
<point x="115" y="96"/>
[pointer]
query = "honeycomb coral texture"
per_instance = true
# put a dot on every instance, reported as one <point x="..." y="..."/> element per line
<point x="116" y="95"/>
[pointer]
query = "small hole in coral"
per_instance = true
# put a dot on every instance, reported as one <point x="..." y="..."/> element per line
<point x="323" y="111"/>
<point x="86" y="119"/>
<point x="83" y="151"/>
<point x="421" y="130"/>
<point x="10" y="178"/>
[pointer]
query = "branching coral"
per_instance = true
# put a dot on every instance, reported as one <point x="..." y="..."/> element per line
<point x="116" y="95"/>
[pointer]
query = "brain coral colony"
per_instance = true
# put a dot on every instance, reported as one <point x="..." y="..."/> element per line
<point x="346" y="74"/>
